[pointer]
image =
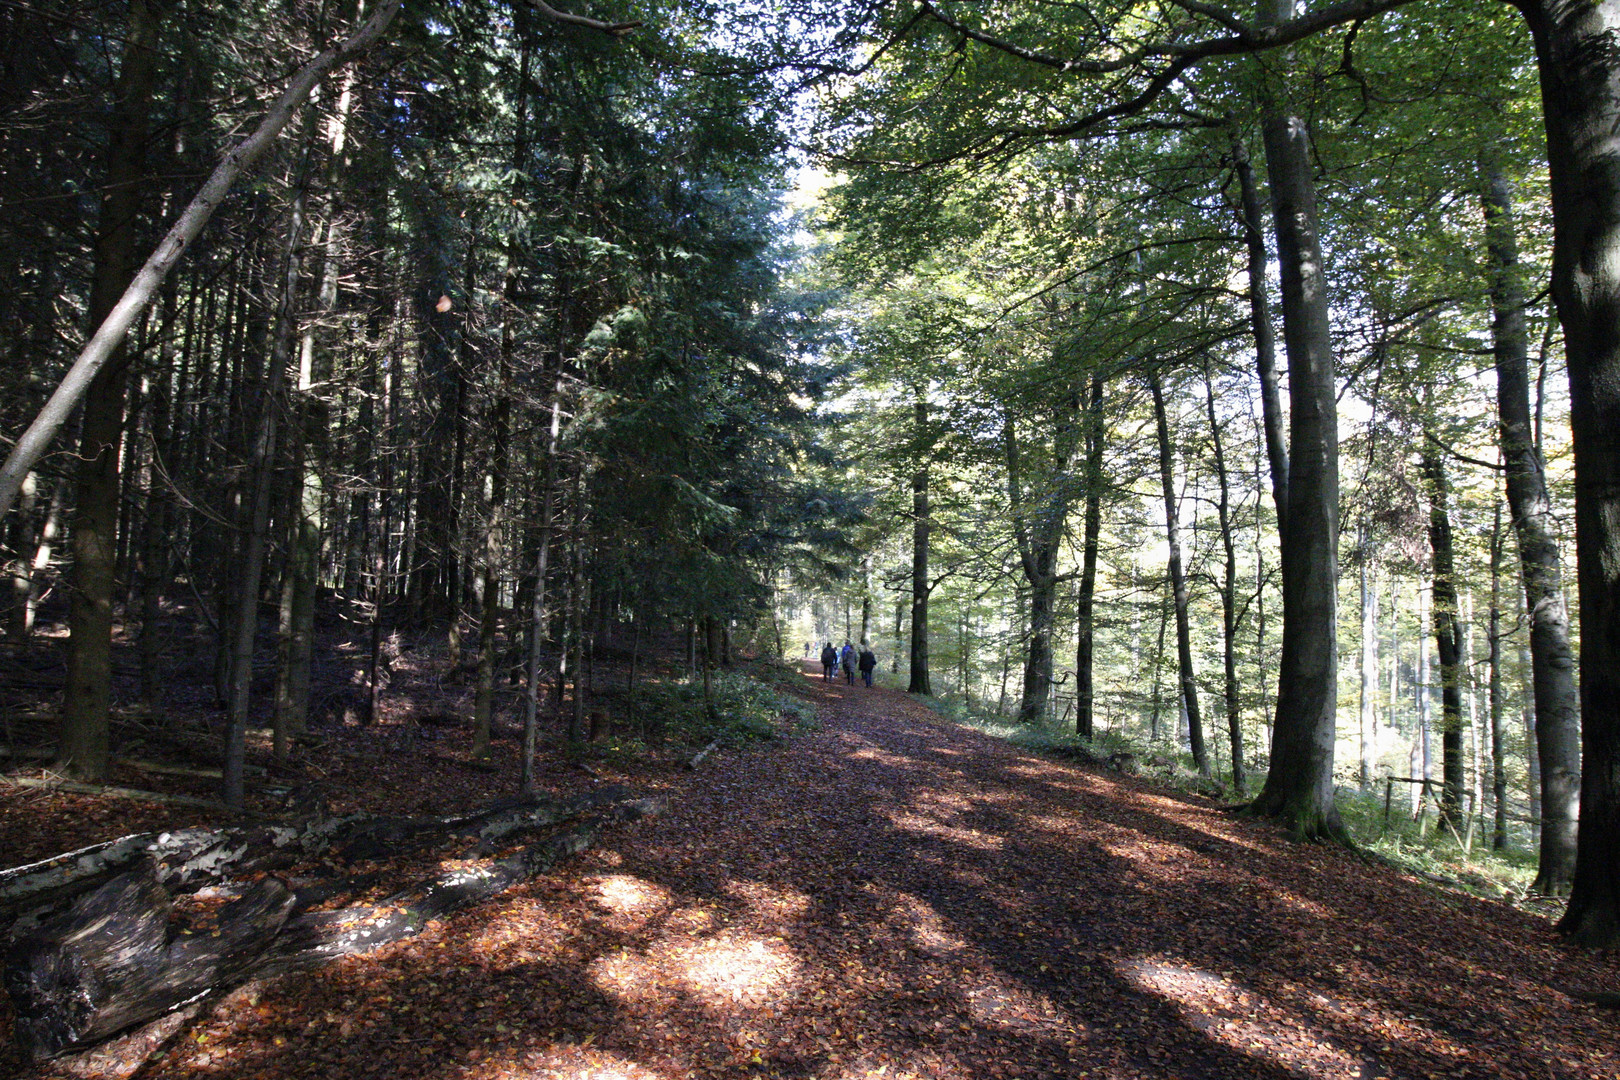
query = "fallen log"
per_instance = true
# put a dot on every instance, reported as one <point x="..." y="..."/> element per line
<point x="53" y="784"/>
<point x="113" y="960"/>
<point x="697" y="759"/>
<point x="187" y="859"/>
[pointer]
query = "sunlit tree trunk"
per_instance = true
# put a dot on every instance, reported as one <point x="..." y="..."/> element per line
<point x="1552" y="661"/>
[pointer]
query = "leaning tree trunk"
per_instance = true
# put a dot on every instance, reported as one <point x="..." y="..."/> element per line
<point x="1299" y="787"/>
<point x="1552" y="661"/>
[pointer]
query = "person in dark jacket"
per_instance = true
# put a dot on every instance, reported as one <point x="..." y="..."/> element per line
<point x="829" y="660"/>
<point x="866" y="661"/>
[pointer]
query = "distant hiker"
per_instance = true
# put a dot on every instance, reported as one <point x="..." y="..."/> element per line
<point x="829" y="660"/>
<point x="867" y="661"/>
<point x="847" y="658"/>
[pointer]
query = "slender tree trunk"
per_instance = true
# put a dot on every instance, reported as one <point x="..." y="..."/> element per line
<point x="1551" y="657"/>
<point x="1085" y="620"/>
<point x="1368" y="711"/>
<point x="1178" y="583"/>
<point x="920" y="522"/>
<point x="18" y="625"/>
<point x="1252" y="217"/>
<point x="1229" y="628"/>
<point x="1499" y="835"/>
<point x="1422" y="697"/>
<point x="1447" y="635"/>
<point x="541" y="615"/>
<point x="263" y="471"/>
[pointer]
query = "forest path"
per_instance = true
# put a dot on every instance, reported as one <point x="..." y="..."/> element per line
<point x="897" y="896"/>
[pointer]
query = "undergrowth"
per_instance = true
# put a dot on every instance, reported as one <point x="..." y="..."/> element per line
<point x="1420" y="846"/>
<point x="742" y="708"/>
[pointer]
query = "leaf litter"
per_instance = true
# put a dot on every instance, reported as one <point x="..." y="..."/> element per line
<point x="897" y="896"/>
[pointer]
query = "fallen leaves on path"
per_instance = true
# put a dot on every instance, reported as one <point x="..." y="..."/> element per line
<point x="898" y="897"/>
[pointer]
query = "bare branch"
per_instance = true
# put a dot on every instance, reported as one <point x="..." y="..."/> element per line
<point x="615" y="29"/>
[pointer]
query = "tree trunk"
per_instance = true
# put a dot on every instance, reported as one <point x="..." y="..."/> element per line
<point x="1039" y="517"/>
<point x="1178" y="583"/>
<point x="1551" y="657"/>
<point x="1229" y="628"/>
<point x="1299" y="787"/>
<point x="540" y="617"/>
<point x="263" y="460"/>
<point x="1580" y="90"/>
<point x="920" y="586"/>
<point x="1368" y="711"/>
<point x="1499" y="836"/>
<point x="1265" y="335"/>
<point x="1085" y="598"/>
<point x="1447" y="635"/>
<point x="85" y="742"/>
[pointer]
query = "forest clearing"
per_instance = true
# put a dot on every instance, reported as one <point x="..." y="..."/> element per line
<point x="895" y="895"/>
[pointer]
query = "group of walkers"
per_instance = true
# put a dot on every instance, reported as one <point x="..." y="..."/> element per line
<point x="847" y="659"/>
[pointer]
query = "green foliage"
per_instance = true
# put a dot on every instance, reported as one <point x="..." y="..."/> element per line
<point x="745" y="709"/>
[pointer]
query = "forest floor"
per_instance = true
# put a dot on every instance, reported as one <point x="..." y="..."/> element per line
<point x="893" y="895"/>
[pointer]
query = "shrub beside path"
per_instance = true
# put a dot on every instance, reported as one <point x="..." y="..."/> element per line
<point x="897" y="896"/>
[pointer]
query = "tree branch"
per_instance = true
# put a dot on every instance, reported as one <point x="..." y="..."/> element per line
<point x="615" y="29"/>
<point x="95" y="355"/>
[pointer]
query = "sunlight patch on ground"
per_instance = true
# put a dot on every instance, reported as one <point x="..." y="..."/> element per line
<point x="727" y="972"/>
<point x="628" y="895"/>
<point x="770" y="901"/>
<point x="1007" y="1005"/>
<point x="1047" y="772"/>
<point x="882" y="757"/>
<point x="518" y="931"/>
<point x="1229" y="1014"/>
<point x="927" y="930"/>
<point x="928" y="826"/>
<point x="566" y="1063"/>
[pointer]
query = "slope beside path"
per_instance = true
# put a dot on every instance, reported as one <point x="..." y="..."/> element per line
<point x="896" y="896"/>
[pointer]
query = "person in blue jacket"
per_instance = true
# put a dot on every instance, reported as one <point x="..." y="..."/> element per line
<point x="847" y="657"/>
